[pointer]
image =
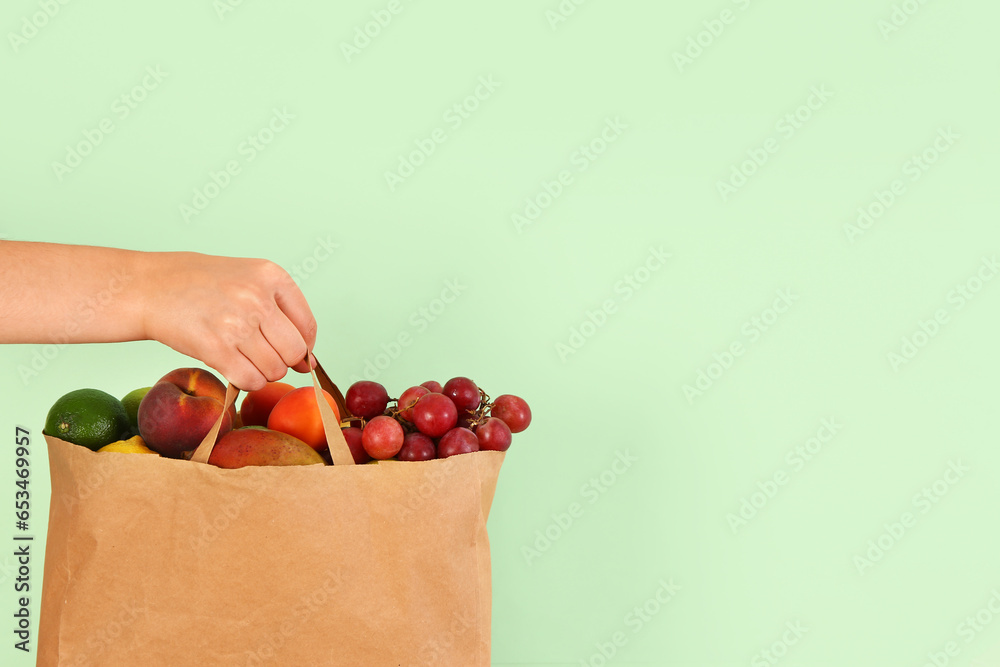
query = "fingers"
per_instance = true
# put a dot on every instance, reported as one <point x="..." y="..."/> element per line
<point x="276" y="345"/>
<point x="293" y="304"/>
<point x="305" y="366"/>
<point x="263" y="356"/>
<point x="241" y="372"/>
<point x="253" y="327"/>
<point x="284" y="338"/>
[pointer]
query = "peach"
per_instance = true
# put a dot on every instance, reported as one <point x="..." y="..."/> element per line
<point x="297" y="414"/>
<point x="258" y="446"/>
<point x="178" y="412"/>
<point x="257" y="405"/>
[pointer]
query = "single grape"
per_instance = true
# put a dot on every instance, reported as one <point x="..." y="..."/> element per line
<point x="382" y="437"/>
<point x="353" y="436"/>
<point x="465" y="419"/>
<point x="434" y="414"/>
<point x="494" y="434"/>
<point x="417" y="447"/>
<point x="463" y="392"/>
<point x="432" y="386"/>
<point x="457" y="441"/>
<point x="408" y="399"/>
<point x="513" y="410"/>
<point x="366" y="399"/>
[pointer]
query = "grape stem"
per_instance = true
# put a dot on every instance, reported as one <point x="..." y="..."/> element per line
<point x="394" y="410"/>
<point x="480" y="415"/>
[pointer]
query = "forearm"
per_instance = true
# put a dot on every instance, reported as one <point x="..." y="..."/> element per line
<point x="244" y="317"/>
<point x="53" y="293"/>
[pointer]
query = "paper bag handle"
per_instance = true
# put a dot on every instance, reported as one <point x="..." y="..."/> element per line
<point x="340" y="453"/>
<point x="204" y="450"/>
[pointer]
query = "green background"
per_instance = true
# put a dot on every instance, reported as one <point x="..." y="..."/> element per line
<point x="665" y="517"/>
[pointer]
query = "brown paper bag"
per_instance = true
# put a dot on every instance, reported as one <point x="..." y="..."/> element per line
<point x="152" y="561"/>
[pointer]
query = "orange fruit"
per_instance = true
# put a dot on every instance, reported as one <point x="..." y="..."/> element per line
<point x="297" y="414"/>
<point x="257" y="405"/>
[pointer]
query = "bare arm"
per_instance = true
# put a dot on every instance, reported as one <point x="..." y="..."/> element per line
<point x="246" y="318"/>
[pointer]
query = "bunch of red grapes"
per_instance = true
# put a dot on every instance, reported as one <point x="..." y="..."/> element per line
<point x="429" y="421"/>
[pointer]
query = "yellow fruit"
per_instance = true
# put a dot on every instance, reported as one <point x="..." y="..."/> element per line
<point x="133" y="445"/>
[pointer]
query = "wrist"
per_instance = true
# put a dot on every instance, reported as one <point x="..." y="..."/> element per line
<point x="147" y="271"/>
